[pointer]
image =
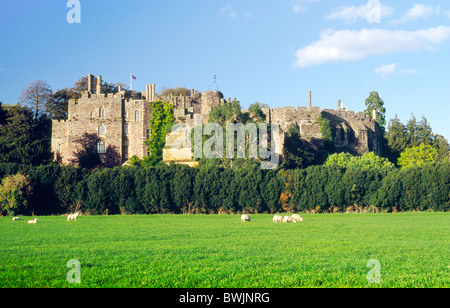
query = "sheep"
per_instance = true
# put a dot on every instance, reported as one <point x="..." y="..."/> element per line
<point x="289" y="219"/>
<point x="16" y="218"/>
<point x="245" y="218"/>
<point x="277" y="218"/>
<point x="297" y="217"/>
<point x="34" y="221"/>
<point x="73" y="216"/>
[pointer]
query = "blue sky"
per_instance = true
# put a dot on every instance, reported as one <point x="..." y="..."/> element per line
<point x="268" y="51"/>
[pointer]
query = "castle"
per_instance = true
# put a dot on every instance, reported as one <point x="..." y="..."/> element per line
<point x="118" y="124"/>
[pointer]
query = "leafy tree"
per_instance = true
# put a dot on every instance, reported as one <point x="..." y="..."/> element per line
<point x="24" y="139"/>
<point x="294" y="154"/>
<point x="255" y="112"/>
<point x="36" y="95"/>
<point x="374" y="102"/>
<point x="339" y="159"/>
<point x="396" y="136"/>
<point x="226" y="113"/>
<point x="57" y="106"/>
<point x="366" y="161"/>
<point x="417" y="156"/>
<point x="15" y="191"/>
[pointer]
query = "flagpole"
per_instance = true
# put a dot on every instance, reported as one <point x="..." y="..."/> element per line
<point x="131" y="82"/>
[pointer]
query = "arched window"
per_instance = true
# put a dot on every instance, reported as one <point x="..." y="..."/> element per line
<point x="101" y="147"/>
<point x="101" y="130"/>
<point x="136" y="116"/>
<point x="101" y="113"/>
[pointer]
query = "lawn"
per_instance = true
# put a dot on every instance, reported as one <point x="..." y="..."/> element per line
<point x="215" y="251"/>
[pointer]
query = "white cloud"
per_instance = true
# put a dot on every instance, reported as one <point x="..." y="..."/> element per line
<point x="349" y="45"/>
<point x="353" y="13"/>
<point x="385" y="70"/>
<point x="416" y="12"/>
<point x="228" y="11"/>
<point x="391" y="69"/>
<point x="300" y="6"/>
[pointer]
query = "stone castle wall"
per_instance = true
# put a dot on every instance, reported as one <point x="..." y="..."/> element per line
<point x="126" y="117"/>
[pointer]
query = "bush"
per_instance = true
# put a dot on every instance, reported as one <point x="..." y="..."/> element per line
<point x="15" y="191"/>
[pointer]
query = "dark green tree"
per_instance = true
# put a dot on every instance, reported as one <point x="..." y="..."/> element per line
<point x="374" y="102"/>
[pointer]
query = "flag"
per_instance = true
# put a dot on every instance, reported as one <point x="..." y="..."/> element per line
<point x="133" y="77"/>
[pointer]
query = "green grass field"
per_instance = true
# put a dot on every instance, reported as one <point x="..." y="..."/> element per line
<point x="329" y="250"/>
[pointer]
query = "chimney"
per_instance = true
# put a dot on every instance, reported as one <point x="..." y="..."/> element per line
<point x="374" y="114"/>
<point x="152" y="92"/>
<point x="90" y="79"/>
<point x="339" y="106"/>
<point x="147" y="92"/>
<point x="99" y="85"/>
<point x="309" y="100"/>
<point x="192" y="92"/>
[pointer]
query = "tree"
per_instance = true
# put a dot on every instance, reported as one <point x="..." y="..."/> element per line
<point x="396" y="137"/>
<point x="366" y="161"/>
<point x="294" y="154"/>
<point x="418" y="155"/>
<point x="374" y="102"/>
<point x="226" y="113"/>
<point x="35" y="96"/>
<point x="15" y="191"/>
<point x="57" y="106"/>
<point x="255" y="112"/>
<point x="338" y="159"/>
<point x="23" y="139"/>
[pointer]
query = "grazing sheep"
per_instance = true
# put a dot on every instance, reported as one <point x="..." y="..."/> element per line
<point x="245" y="218"/>
<point x="289" y="219"/>
<point x="277" y="218"/>
<point x="34" y="221"/>
<point x="16" y="218"/>
<point x="73" y="216"/>
<point x="297" y="217"/>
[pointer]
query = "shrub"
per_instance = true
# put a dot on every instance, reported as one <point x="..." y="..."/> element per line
<point x="15" y="192"/>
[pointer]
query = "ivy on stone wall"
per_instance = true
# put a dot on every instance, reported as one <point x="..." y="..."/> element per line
<point x="160" y="124"/>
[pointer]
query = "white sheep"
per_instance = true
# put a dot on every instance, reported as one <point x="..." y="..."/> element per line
<point x="277" y="218"/>
<point x="73" y="216"/>
<point x="297" y="217"/>
<point x="16" y="218"/>
<point x="245" y="218"/>
<point x="289" y="219"/>
<point x="34" y="221"/>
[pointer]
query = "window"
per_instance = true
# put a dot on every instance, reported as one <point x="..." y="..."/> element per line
<point x="101" y="148"/>
<point x="101" y="113"/>
<point x="126" y="143"/>
<point x="136" y="116"/>
<point x="101" y="130"/>
<point x="125" y="129"/>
